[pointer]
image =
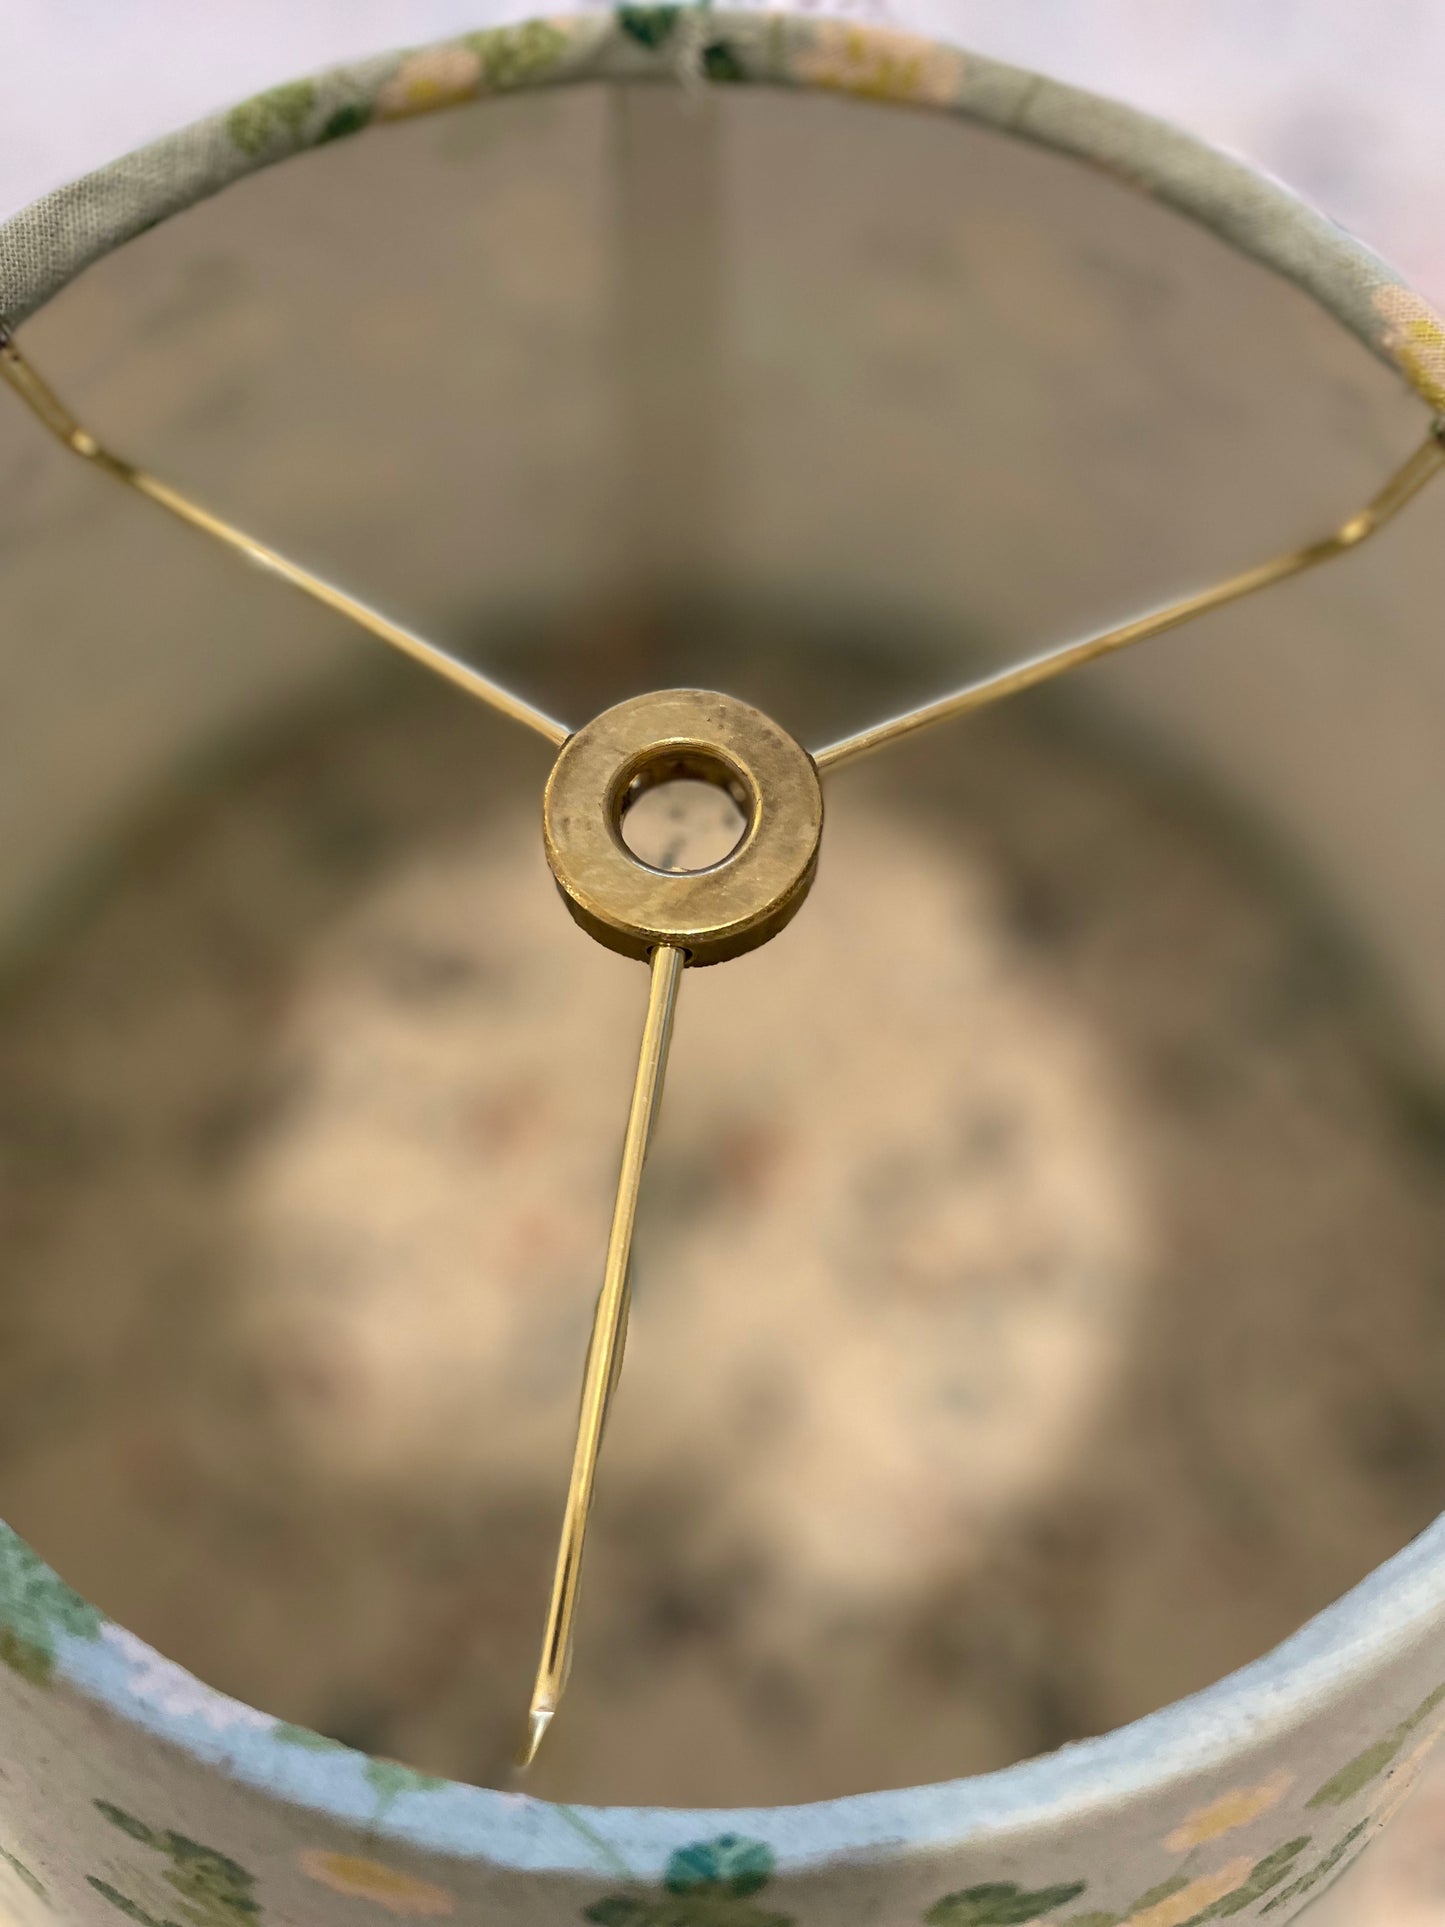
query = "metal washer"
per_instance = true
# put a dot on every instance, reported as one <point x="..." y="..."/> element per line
<point x="712" y="914"/>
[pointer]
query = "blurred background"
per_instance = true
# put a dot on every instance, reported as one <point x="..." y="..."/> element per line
<point x="307" y="1150"/>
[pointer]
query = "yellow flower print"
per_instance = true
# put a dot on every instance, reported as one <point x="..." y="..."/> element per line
<point x="881" y="64"/>
<point x="358" y="1879"/>
<point x="1415" y="336"/>
<point x="1174" y="1909"/>
<point x="440" y="77"/>
<point x="1229" y="1811"/>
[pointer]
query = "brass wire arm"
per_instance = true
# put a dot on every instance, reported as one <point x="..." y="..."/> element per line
<point x="793" y="812"/>
<point x="46" y="405"/>
<point x="604" y="1352"/>
<point x="1402" y="487"/>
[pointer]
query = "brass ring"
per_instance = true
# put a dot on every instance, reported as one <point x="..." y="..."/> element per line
<point x="712" y="914"/>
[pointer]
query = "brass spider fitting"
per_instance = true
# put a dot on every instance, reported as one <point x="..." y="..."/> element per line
<point x="701" y="916"/>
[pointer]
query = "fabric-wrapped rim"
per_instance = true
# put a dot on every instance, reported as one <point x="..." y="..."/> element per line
<point x="43" y="248"/>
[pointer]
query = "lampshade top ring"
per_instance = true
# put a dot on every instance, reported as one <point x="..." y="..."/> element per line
<point x="46" y="245"/>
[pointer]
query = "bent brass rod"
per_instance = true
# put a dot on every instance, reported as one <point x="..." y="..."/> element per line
<point x="47" y="406"/>
<point x="1402" y="486"/>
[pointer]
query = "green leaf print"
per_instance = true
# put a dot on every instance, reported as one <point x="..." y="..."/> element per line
<point x="1000" y="1904"/>
<point x="1423" y="1711"/>
<point x="1357" y="1773"/>
<point x="213" y="1890"/>
<point x="1265" y="1877"/>
<point x="36" y="1607"/>
<point x="303" y="1737"/>
<point x="708" y="1884"/>
<point x="1166" y="1890"/>
<point x="127" y="1822"/>
<point x="24" y="1875"/>
<point x="125" y="1905"/>
<point x="741" y="1866"/>
<point x="648" y="26"/>
<point x="389" y="1779"/>
<point x="720" y="63"/>
<point x="344" y="120"/>
<point x="1321" y="1870"/>
<point x="512" y="56"/>
<point x="278" y="114"/>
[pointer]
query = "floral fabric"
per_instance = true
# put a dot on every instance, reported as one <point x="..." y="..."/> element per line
<point x="47" y="245"/>
<point x="128" y="1788"/>
<point x="119" y="1825"/>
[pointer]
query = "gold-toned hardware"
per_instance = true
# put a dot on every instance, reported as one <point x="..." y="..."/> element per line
<point x="604" y="1353"/>
<point x="700" y="917"/>
<point x="713" y="914"/>
<point x="46" y="405"/>
<point x="1400" y="489"/>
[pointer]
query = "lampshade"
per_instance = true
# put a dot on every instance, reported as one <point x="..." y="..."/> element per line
<point x="774" y="323"/>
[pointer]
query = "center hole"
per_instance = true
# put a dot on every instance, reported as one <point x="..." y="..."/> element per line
<point x="684" y="813"/>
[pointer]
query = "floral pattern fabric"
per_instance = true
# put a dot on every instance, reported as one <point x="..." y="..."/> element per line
<point x="109" y="1749"/>
<point x="1255" y="1850"/>
<point x="47" y="245"/>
